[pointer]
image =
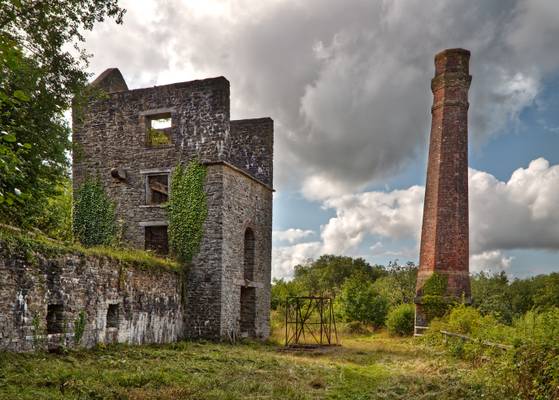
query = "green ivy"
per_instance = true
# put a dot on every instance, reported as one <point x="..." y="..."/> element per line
<point x="434" y="299"/>
<point x="436" y="285"/>
<point x="79" y="327"/>
<point x="188" y="210"/>
<point x="94" y="215"/>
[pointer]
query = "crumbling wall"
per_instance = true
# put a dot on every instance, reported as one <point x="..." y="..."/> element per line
<point x="247" y="204"/>
<point x="111" y="131"/>
<point x="252" y="142"/>
<point x="78" y="289"/>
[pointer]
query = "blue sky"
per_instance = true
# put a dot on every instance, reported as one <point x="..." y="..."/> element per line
<point x="348" y="86"/>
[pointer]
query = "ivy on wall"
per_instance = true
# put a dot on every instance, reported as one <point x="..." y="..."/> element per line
<point x="187" y="210"/>
<point x="434" y="299"/>
<point x="94" y="215"/>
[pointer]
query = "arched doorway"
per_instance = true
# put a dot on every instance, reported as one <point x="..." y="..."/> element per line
<point x="248" y="292"/>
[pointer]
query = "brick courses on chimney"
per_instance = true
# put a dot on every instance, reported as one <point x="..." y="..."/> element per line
<point x="444" y="235"/>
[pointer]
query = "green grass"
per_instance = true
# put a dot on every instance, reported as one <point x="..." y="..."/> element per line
<point x="29" y="245"/>
<point x="375" y="367"/>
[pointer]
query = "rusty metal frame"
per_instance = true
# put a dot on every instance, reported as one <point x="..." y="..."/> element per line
<point x="310" y="320"/>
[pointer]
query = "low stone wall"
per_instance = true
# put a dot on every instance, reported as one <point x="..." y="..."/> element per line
<point x="52" y="297"/>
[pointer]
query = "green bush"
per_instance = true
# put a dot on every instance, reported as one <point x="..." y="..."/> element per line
<point x="400" y="320"/>
<point x="94" y="215"/>
<point x="360" y="302"/>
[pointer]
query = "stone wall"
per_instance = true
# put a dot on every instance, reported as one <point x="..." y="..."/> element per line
<point x="111" y="132"/>
<point x="247" y="205"/>
<point x="41" y="285"/>
<point x="110" y="135"/>
<point x="252" y="143"/>
<point x="236" y="202"/>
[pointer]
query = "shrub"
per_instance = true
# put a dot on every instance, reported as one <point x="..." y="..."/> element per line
<point x="400" y="320"/>
<point x="355" y="328"/>
<point x="360" y="302"/>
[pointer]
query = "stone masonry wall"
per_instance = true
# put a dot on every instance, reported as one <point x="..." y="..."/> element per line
<point x="111" y="132"/>
<point x="252" y="142"/>
<point x="246" y="204"/>
<point x="147" y="300"/>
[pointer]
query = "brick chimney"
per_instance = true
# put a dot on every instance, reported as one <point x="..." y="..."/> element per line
<point x="444" y="235"/>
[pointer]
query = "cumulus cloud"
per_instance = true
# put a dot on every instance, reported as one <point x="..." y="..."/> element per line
<point x="347" y="82"/>
<point x="490" y="261"/>
<point x="292" y="235"/>
<point x="520" y="213"/>
<point x="284" y="258"/>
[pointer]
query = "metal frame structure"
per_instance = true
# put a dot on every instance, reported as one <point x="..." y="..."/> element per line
<point x="310" y="320"/>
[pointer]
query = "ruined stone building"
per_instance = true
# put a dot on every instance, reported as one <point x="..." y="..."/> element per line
<point x="131" y="141"/>
<point x="444" y="237"/>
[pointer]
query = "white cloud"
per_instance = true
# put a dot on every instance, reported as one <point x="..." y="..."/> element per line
<point x="347" y="82"/>
<point x="284" y="258"/>
<point x="522" y="213"/>
<point x="292" y="235"/>
<point x="490" y="261"/>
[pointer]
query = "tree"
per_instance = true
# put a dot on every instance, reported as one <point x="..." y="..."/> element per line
<point x="326" y="275"/>
<point x="361" y="302"/>
<point x="398" y="286"/>
<point x="38" y="79"/>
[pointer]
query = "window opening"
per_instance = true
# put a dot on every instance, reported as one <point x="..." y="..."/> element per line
<point x="55" y="318"/>
<point x="157" y="191"/>
<point x="156" y="239"/>
<point x="159" y="130"/>
<point x="112" y="316"/>
<point x="249" y="249"/>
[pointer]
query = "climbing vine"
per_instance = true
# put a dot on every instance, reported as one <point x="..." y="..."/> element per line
<point x="187" y="210"/>
<point x="435" y="302"/>
<point x="94" y="215"/>
<point x="79" y="326"/>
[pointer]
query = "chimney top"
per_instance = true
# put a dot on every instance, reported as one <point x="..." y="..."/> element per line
<point x="452" y="60"/>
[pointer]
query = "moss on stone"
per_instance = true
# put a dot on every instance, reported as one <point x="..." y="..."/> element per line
<point x="31" y="246"/>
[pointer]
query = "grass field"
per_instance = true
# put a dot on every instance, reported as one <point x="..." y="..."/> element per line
<point x="373" y="367"/>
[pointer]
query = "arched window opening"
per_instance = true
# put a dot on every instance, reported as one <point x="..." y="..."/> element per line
<point x="249" y="250"/>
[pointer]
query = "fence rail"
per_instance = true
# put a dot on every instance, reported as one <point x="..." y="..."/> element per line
<point x="483" y="342"/>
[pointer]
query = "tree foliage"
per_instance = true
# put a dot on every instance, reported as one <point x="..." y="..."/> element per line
<point x="400" y="320"/>
<point x="361" y="302"/>
<point x="38" y="78"/>
<point x="326" y="275"/>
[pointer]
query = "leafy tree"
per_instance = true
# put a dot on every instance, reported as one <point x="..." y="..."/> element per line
<point x="359" y="301"/>
<point x="38" y="78"/>
<point x="282" y="289"/>
<point x="398" y="286"/>
<point x="548" y="295"/>
<point x="326" y="275"/>
<point x="490" y="295"/>
<point x="56" y="220"/>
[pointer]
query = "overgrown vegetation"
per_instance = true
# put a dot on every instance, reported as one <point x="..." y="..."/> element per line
<point x="31" y="246"/>
<point x="401" y="320"/>
<point x="362" y="292"/>
<point x="94" y="215"/>
<point x="38" y="78"/>
<point x="187" y="210"/>
<point x="374" y="367"/>
<point x="527" y="369"/>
